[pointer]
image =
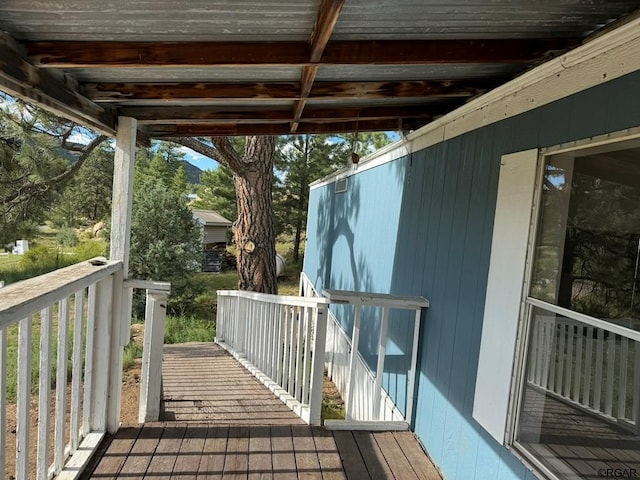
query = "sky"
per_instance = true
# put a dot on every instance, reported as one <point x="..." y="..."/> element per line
<point x="200" y="161"/>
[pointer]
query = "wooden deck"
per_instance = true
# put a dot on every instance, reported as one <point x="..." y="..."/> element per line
<point x="220" y="422"/>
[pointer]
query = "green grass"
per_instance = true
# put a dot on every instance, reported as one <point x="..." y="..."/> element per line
<point x="330" y="411"/>
<point x="132" y="351"/>
<point x="188" y="329"/>
<point x="44" y="257"/>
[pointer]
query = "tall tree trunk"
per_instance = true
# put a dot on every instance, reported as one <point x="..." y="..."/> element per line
<point x="254" y="231"/>
<point x="296" y="242"/>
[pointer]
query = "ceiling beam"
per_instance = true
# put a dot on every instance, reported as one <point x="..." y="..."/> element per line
<point x="194" y="115"/>
<point x="326" y="20"/>
<point x="54" y="92"/>
<point x="122" y="92"/>
<point x="94" y="54"/>
<point x="205" y="130"/>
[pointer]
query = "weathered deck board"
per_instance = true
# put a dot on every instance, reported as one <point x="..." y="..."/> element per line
<point x="240" y="430"/>
<point x="201" y="382"/>
<point x="190" y="454"/>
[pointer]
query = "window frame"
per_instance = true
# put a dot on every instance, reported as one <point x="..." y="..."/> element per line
<point x="622" y="140"/>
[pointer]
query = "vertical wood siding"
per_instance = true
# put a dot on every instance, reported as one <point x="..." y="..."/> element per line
<point x="422" y="225"/>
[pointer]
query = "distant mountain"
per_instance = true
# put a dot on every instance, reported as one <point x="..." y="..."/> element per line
<point x="193" y="173"/>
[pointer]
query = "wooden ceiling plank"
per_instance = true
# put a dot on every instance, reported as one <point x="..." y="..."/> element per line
<point x="97" y="54"/>
<point x="323" y="27"/>
<point x="123" y="92"/>
<point x="56" y="93"/>
<point x="198" y="130"/>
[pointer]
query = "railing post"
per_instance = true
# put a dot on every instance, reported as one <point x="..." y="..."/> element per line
<point x="101" y="360"/>
<point x="23" y="404"/>
<point x="151" y="377"/>
<point x="317" y="365"/>
<point x="414" y="365"/>
<point x="120" y="332"/>
<point x="44" y="393"/>
<point x="355" y="338"/>
<point x="382" y="351"/>
<point x="241" y="341"/>
<point x="61" y="379"/>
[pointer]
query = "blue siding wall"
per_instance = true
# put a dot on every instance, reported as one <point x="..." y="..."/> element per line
<point x="422" y="225"/>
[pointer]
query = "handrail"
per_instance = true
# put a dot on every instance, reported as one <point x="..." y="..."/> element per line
<point x="23" y="298"/>
<point x="586" y="319"/>
<point x="275" y="299"/>
<point x="375" y="299"/>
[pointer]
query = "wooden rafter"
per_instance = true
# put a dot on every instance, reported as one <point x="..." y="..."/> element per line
<point x="229" y="129"/>
<point x="326" y="20"/>
<point x="194" y="115"/>
<point x="121" y="92"/>
<point x="95" y="54"/>
<point x="58" y="93"/>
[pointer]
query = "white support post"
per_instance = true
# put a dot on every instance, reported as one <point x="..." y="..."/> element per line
<point x="382" y="351"/>
<point x="355" y="338"/>
<point x="317" y="365"/>
<point x="101" y="361"/>
<point x="414" y="365"/>
<point x="151" y="381"/>
<point x="122" y="202"/>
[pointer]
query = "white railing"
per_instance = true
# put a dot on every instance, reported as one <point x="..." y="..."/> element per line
<point x="281" y="340"/>
<point x="371" y="399"/>
<point x="80" y="314"/>
<point x="365" y="399"/>
<point x="73" y="304"/>
<point x="587" y="362"/>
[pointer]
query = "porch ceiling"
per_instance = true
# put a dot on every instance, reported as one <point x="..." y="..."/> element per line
<point x="214" y="67"/>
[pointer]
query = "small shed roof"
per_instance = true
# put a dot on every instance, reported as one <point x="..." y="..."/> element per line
<point x="209" y="218"/>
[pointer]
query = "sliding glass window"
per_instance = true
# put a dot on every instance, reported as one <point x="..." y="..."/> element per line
<point x="579" y="406"/>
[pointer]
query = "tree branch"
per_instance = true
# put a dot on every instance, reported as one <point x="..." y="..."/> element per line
<point x="202" y="148"/>
<point x="43" y="186"/>
<point x="228" y="152"/>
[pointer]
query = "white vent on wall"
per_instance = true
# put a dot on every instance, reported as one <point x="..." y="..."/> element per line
<point x="342" y="184"/>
